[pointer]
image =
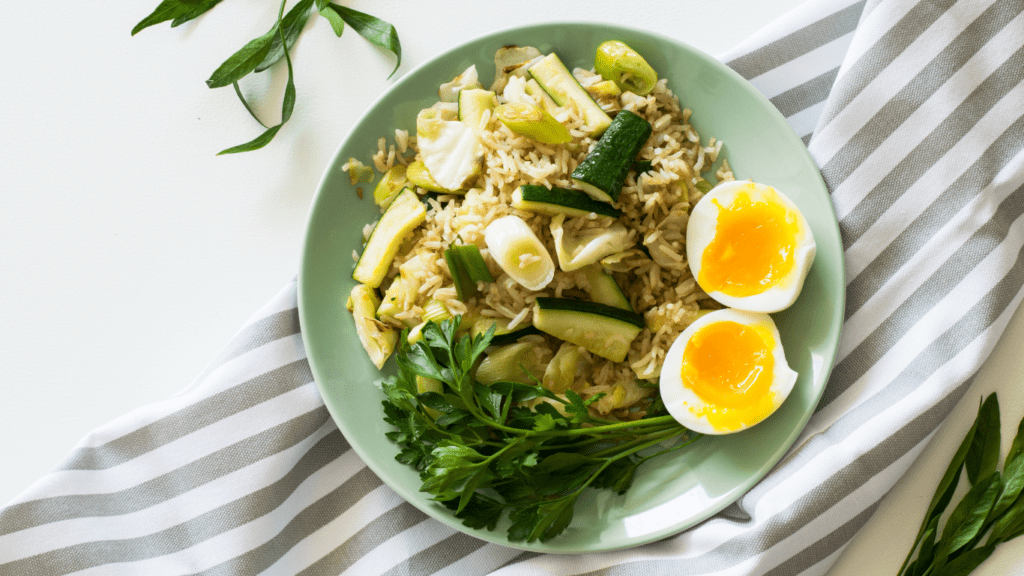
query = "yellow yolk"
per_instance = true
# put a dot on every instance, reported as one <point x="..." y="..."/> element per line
<point x="752" y="249"/>
<point x="729" y="366"/>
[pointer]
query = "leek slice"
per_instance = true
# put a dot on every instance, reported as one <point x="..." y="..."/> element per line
<point x="578" y="249"/>
<point x="519" y="252"/>
<point x="532" y="121"/>
<point x="449" y="91"/>
<point x="389" y="186"/>
<point x="523" y="362"/>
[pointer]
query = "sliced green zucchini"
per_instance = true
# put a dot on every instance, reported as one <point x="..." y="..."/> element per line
<point x="603" y="171"/>
<point x="536" y="198"/>
<point x="405" y="214"/>
<point x="533" y="89"/>
<point x="604" y="289"/>
<point x="563" y="88"/>
<point x="377" y="338"/>
<point x="472" y="105"/>
<point x="603" y="330"/>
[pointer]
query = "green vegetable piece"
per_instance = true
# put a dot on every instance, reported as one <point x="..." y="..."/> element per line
<point x="621" y="64"/>
<point x="390" y="185"/>
<point x="533" y="122"/>
<point x="418" y="174"/>
<point x="703" y="185"/>
<point x="467" y="267"/>
<point x="604" y="170"/>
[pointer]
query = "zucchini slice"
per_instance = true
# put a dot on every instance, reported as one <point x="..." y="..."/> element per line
<point x="405" y="214"/>
<point x="603" y="330"/>
<point x="536" y="198"/>
<point x="603" y="171"/>
<point x="563" y="88"/>
<point x="604" y="289"/>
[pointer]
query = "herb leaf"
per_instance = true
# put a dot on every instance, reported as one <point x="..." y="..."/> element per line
<point x="166" y="10"/>
<point x="373" y="29"/>
<point x="292" y="25"/>
<point x="984" y="452"/>
<point x="337" y="24"/>
<point x="194" y="13"/>
<point x="243" y="61"/>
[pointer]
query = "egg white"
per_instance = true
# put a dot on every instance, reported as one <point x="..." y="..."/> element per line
<point x="701" y="230"/>
<point x="684" y="404"/>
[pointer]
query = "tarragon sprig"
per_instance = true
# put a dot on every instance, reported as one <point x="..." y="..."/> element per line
<point x="265" y="51"/>
<point x="508" y="447"/>
<point x="994" y="504"/>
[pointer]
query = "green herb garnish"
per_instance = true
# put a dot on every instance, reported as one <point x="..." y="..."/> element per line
<point x="482" y="451"/>
<point x="265" y="51"/>
<point x="992" y="506"/>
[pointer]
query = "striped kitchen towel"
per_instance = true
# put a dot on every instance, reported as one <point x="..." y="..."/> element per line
<point x="913" y="110"/>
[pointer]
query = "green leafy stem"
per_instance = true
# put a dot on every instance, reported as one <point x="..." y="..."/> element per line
<point x="993" y="505"/>
<point x="265" y="51"/>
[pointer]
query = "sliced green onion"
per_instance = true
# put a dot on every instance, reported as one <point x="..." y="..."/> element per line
<point x="519" y="252"/>
<point x="474" y="263"/>
<point x="533" y="122"/>
<point x="435" y="311"/>
<point x="389" y="186"/>
<point x="703" y="185"/>
<point x="621" y="64"/>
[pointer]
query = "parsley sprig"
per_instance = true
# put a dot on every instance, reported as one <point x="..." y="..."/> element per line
<point x="509" y="447"/>
<point x="268" y="49"/>
<point x="994" y="505"/>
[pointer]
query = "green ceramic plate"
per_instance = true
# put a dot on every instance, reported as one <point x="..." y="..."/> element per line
<point x="672" y="493"/>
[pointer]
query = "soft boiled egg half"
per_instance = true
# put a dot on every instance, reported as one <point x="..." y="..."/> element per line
<point x="749" y="247"/>
<point x="726" y="372"/>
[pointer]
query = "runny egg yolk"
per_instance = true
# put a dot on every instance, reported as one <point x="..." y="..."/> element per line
<point x="753" y="246"/>
<point x="729" y="366"/>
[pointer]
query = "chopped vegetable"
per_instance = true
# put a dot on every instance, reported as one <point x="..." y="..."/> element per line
<point x="449" y="92"/>
<point x="553" y="201"/>
<point x="377" y="338"/>
<point x="603" y="330"/>
<point x="389" y="186"/>
<point x="534" y="122"/>
<point x="357" y="171"/>
<point x="512" y="60"/>
<point x="401" y="217"/>
<point x="418" y="174"/>
<point x="563" y="369"/>
<point x="563" y="88"/>
<point x="523" y="362"/>
<point x="604" y="170"/>
<point x="580" y="248"/>
<point x="621" y="64"/>
<point x="467" y="267"/>
<point x="449" y="149"/>
<point x="435" y="311"/>
<point x="519" y="252"/>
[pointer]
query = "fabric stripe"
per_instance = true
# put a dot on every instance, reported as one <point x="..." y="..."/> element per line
<point x="932" y="225"/>
<point x="913" y="126"/>
<point x="886" y="69"/>
<point x="197" y="416"/>
<point x="805" y="95"/>
<point x="798" y="43"/>
<point x="151" y="492"/>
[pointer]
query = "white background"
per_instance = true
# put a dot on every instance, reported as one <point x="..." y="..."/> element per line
<point x="131" y="253"/>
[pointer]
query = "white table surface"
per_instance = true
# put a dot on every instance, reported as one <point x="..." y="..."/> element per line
<point x="131" y="253"/>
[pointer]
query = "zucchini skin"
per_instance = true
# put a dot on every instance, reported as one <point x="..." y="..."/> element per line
<point x="567" y="304"/>
<point x="604" y="170"/>
<point x="577" y="202"/>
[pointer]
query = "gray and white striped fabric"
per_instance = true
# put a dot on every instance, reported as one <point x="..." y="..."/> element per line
<point x="914" y="111"/>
